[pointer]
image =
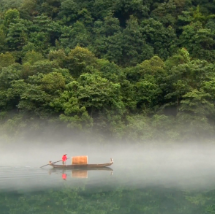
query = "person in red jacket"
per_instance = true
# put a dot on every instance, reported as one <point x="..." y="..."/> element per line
<point x="64" y="158"/>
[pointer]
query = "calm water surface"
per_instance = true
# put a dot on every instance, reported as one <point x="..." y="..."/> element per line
<point x="149" y="182"/>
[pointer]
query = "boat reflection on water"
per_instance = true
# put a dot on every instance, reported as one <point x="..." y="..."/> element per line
<point x="78" y="173"/>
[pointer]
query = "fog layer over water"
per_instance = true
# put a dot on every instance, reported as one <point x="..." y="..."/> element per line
<point x="186" y="166"/>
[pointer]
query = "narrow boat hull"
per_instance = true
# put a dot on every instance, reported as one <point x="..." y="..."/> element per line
<point x="80" y="169"/>
<point x="82" y="166"/>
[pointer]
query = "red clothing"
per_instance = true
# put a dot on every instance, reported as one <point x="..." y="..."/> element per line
<point x="64" y="176"/>
<point x="64" y="158"/>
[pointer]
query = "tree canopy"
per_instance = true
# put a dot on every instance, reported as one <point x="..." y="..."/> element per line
<point x="125" y="68"/>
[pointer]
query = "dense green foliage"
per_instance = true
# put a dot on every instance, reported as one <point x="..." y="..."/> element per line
<point x="126" y="68"/>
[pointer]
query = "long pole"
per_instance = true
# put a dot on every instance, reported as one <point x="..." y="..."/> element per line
<point x="49" y="164"/>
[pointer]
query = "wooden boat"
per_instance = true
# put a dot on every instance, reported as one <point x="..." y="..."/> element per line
<point x="60" y="170"/>
<point x="82" y="166"/>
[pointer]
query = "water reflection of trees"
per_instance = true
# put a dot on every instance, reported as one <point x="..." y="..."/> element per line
<point x="98" y="200"/>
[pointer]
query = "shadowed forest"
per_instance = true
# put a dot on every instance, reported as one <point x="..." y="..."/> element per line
<point x="125" y="69"/>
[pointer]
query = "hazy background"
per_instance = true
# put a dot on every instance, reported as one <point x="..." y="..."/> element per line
<point x="186" y="166"/>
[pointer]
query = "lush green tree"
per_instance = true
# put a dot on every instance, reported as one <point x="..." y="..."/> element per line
<point x="163" y="40"/>
<point x="17" y="36"/>
<point x="3" y="46"/>
<point x="123" y="9"/>
<point x="58" y="56"/>
<point x="154" y="67"/>
<point x="198" y="103"/>
<point x="44" y="66"/>
<point x="8" y="75"/>
<point x="185" y="18"/>
<point x="108" y="42"/>
<point x="135" y="48"/>
<point x="80" y="60"/>
<point x="181" y="57"/>
<point x="31" y="57"/>
<point x="39" y="66"/>
<point x="110" y="71"/>
<point x="210" y="24"/>
<point x="91" y="101"/>
<point x="11" y="16"/>
<point x="28" y="9"/>
<point x="147" y="93"/>
<point x="74" y="36"/>
<point x="102" y="9"/>
<point x="85" y="17"/>
<point x="209" y="87"/>
<point x="51" y="7"/>
<point x="198" y="41"/>
<point x="6" y="59"/>
<point x="185" y="78"/>
<point x="53" y="82"/>
<point x="10" y="4"/>
<point x="33" y="99"/>
<point x="44" y="33"/>
<point x="167" y="12"/>
<point x="68" y="11"/>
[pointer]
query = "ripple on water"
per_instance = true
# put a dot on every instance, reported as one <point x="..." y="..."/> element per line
<point x="30" y="178"/>
<point x="19" y="177"/>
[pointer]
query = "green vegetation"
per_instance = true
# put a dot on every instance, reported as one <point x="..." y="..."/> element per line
<point x="132" y="69"/>
<point x="150" y="200"/>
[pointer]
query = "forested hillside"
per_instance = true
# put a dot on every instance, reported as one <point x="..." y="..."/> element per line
<point x="136" y="69"/>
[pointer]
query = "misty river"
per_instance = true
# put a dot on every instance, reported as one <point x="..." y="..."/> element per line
<point x="143" y="179"/>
